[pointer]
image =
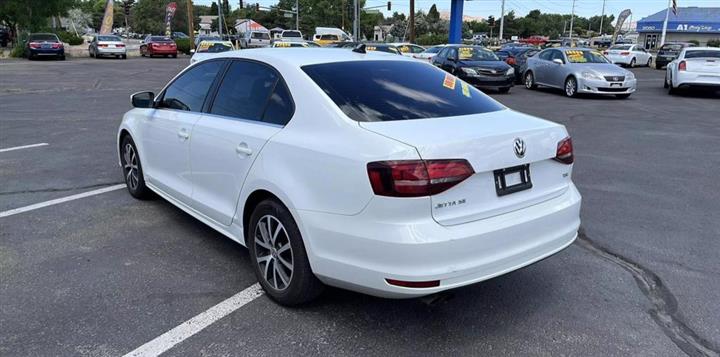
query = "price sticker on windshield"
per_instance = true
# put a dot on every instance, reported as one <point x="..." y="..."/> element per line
<point x="449" y="81"/>
<point x="465" y="89"/>
<point x="370" y="48"/>
<point x="282" y="44"/>
<point x="465" y="53"/>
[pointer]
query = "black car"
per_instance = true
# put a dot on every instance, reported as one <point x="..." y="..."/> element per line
<point x="44" y="45"/>
<point x="477" y="66"/>
<point x="669" y="52"/>
<point x="517" y="58"/>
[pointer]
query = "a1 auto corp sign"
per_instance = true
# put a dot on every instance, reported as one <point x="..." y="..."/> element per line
<point x="680" y="27"/>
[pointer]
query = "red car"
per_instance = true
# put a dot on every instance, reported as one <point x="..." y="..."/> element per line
<point x="158" y="46"/>
<point x="535" y="40"/>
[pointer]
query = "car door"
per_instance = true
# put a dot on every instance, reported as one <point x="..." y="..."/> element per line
<point x="556" y="72"/>
<point x="439" y="59"/>
<point x="251" y="104"/>
<point x="167" y="130"/>
<point x="543" y="66"/>
<point x="450" y="62"/>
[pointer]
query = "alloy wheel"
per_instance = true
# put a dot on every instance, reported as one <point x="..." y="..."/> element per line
<point x="570" y="87"/>
<point x="273" y="252"/>
<point x="529" y="81"/>
<point x="130" y="165"/>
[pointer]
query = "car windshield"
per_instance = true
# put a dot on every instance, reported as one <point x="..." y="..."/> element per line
<point x="43" y="37"/>
<point x="623" y="47"/>
<point x="476" y="54"/>
<point x="579" y="56"/>
<point x="388" y="49"/>
<point x="291" y="34"/>
<point x="702" y="54"/>
<point x="261" y="35"/>
<point x="214" y="47"/>
<point x="369" y="91"/>
<point x="160" y="39"/>
<point x="435" y="49"/>
<point x="674" y="47"/>
<point x="109" y="38"/>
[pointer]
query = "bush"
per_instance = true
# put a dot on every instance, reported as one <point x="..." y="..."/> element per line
<point x="695" y="42"/>
<point x="431" y="39"/>
<point x="70" y="38"/>
<point x="184" y="45"/>
<point x="714" y="43"/>
<point x="18" y="51"/>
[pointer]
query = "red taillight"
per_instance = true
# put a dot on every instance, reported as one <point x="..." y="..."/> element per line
<point x="564" y="151"/>
<point x="35" y="45"/>
<point x="414" y="284"/>
<point x="624" y="53"/>
<point x="57" y="45"/>
<point x="416" y="178"/>
<point x="102" y="45"/>
<point x="510" y="60"/>
<point x="682" y="66"/>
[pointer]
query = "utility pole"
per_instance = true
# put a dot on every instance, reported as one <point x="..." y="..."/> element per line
<point x="572" y="19"/>
<point x="602" y="18"/>
<point x="356" y="20"/>
<point x="191" y="26"/>
<point x="297" y="15"/>
<point x="219" y="18"/>
<point x="502" y="21"/>
<point x="411" y="21"/>
<point x="667" y="16"/>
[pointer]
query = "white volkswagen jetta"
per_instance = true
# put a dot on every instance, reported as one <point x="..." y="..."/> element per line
<point x="371" y="172"/>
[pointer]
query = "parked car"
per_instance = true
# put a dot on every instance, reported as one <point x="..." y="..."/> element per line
<point x="44" y="45"/>
<point x="369" y="46"/>
<point x="578" y="71"/>
<point x="629" y="55"/>
<point x="255" y="39"/>
<point x="107" y="45"/>
<point x="517" y="58"/>
<point x="413" y="182"/>
<point x="291" y="35"/>
<point x="177" y="35"/>
<point x="694" y="67"/>
<point x="328" y="39"/>
<point x="288" y="44"/>
<point x="201" y="38"/>
<point x="312" y="44"/>
<point x="206" y="49"/>
<point x="669" y="52"/>
<point x="158" y="46"/>
<point x="476" y="65"/>
<point x="409" y="49"/>
<point x="428" y="54"/>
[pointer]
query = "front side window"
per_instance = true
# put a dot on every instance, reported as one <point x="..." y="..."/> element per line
<point x="545" y="55"/>
<point x="188" y="91"/>
<point x="557" y="55"/>
<point x="368" y="91"/>
<point x="245" y="90"/>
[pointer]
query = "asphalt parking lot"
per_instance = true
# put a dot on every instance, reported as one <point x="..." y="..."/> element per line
<point x="102" y="275"/>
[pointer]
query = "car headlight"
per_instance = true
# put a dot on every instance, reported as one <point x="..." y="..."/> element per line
<point x="591" y="75"/>
<point x="629" y="75"/>
<point x="510" y="72"/>
<point x="469" y="71"/>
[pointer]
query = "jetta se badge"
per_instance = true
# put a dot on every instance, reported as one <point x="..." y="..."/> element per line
<point x="519" y="148"/>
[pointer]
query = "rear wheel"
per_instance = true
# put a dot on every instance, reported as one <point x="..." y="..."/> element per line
<point x="571" y="87"/>
<point x="649" y="62"/>
<point x="530" y="80"/>
<point x="669" y="87"/>
<point x="665" y="82"/>
<point x="278" y="255"/>
<point x="632" y="63"/>
<point x="132" y="169"/>
<point x="174" y="56"/>
<point x="124" y="56"/>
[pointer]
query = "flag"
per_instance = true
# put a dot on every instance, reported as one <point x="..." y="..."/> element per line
<point x="169" y="13"/>
<point x="619" y="23"/>
<point x="674" y="7"/>
<point x="107" y="22"/>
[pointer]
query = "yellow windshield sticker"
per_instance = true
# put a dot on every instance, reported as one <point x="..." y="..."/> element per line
<point x="282" y="44"/>
<point x="465" y="53"/>
<point x="465" y="89"/>
<point x="449" y="81"/>
<point x="576" y="56"/>
<point x="370" y="48"/>
<point x="404" y="49"/>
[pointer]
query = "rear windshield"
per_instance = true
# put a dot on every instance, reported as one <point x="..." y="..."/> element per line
<point x="214" y="47"/>
<point x="623" y="48"/>
<point x="369" y="91"/>
<point x="43" y="37"/>
<point x="261" y="35"/>
<point x="109" y="38"/>
<point x="702" y="54"/>
<point x="160" y="39"/>
<point x="291" y="34"/>
<point x="672" y="47"/>
<point x="435" y="49"/>
<point x="382" y="48"/>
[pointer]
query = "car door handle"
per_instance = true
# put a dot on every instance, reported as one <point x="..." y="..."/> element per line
<point x="183" y="134"/>
<point x="243" y="148"/>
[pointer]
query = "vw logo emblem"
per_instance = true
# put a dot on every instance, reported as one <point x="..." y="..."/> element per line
<point x="519" y="148"/>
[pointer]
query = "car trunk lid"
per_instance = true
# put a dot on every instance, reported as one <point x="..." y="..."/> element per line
<point x="704" y="64"/>
<point x="487" y="141"/>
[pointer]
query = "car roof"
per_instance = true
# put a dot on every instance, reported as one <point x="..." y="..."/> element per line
<point x="298" y="56"/>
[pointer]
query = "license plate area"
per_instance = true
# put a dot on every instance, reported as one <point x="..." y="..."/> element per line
<point x="512" y="179"/>
<point x="616" y="84"/>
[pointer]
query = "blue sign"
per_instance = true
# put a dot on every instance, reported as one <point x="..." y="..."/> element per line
<point x="678" y="26"/>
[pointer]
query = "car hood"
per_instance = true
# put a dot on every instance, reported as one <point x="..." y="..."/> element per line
<point x="496" y="65"/>
<point x="604" y="69"/>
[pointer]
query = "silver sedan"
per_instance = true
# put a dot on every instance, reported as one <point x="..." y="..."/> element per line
<point x="578" y="70"/>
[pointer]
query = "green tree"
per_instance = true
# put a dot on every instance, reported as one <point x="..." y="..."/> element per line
<point x="149" y="16"/>
<point x="32" y="15"/>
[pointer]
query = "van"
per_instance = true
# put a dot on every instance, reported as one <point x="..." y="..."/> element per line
<point x="255" y="39"/>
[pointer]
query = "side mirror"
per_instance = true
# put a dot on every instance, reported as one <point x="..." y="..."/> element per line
<point x="142" y="99"/>
<point x="558" y="61"/>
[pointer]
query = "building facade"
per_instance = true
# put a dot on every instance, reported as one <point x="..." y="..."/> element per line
<point x="700" y="24"/>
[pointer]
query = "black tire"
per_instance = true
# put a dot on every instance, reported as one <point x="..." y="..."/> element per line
<point x="570" y="87"/>
<point x="658" y="66"/>
<point x="504" y="90"/>
<point x="632" y="63"/>
<point x="132" y="169"/>
<point x="530" y="80"/>
<point x="669" y="87"/>
<point x="665" y="82"/>
<point x="622" y="96"/>
<point x="92" y="55"/>
<point x="174" y="56"/>
<point x="649" y="63"/>
<point x="302" y="286"/>
<point x="62" y="58"/>
<point x="124" y="56"/>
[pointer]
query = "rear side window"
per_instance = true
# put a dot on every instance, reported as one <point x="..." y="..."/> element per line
<point x="253" y="91"/>
<point x="368" y="91"/>
<point x="188" y="92"/>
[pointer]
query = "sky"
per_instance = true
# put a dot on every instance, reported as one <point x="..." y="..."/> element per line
<point x="485" y="8"/>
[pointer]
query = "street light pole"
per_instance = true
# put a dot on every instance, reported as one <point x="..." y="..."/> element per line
<point x="502" y="21"/>
<point x="602" y="18"/>
<point x="572" y="18"/>
<point x="191" y="29"/>
<point x="297" y="15"/>
<point x="219" y="18"/>
<point x="356" y="23"/>
<point x="411" y="21"/>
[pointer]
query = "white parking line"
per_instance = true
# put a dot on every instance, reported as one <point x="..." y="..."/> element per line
<point x="196" y="324"/>
<point x="15" y="211"/>
<point x="23" y="147"/>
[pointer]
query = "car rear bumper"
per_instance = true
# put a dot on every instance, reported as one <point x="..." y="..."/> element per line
<point x="47" y="52"/>
<point x="699" y="79"/>
<point x="111" y="51"/>
<point x="156" y="51"/>
<point x="358" y="253"/>
<point x="619" y="59"/>
<point x="593" y="86"/>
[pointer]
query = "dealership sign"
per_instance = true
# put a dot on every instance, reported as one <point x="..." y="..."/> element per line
<point x="656" y="26"/>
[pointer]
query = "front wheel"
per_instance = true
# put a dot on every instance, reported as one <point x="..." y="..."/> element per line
<point x="132" y="169"/>
<point x="530" y="81"/>
<point x="571" y="87"/>
<point x="278" y="255"/>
